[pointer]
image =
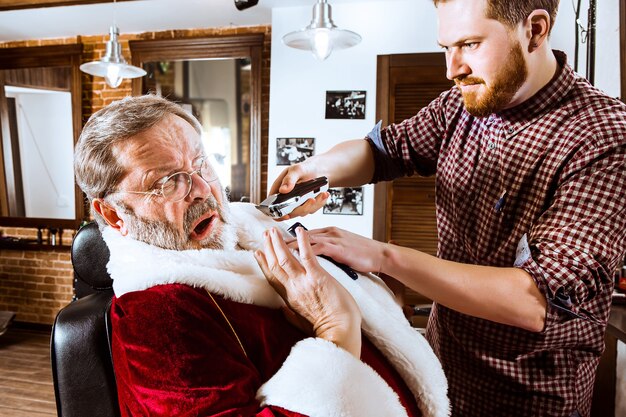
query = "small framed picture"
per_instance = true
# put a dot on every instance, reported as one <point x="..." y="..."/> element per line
<point x="290" y="151"/>
<point x="345" y="104"/>
<point x="346" y="200"/>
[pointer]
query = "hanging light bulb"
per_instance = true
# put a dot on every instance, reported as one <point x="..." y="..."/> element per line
<point x="112" y="66"/>
<point x="320" y="44"/>
<point x="321" y="36"/>
<point x="113" y="78"/>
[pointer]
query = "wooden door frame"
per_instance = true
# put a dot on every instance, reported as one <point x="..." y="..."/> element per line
<point x="37" y="4"/>
<point x="383" y="192"/>
<point x="622" y="41"/>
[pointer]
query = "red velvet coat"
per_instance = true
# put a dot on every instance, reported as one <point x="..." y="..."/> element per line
<point x="175" y="354"/>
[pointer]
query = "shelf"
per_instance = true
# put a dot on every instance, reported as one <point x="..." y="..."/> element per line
<point x="24" y="245"/>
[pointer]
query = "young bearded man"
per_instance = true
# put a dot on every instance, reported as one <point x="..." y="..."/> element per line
<point x="197" y="328"/>
<point x="530" y="162"/>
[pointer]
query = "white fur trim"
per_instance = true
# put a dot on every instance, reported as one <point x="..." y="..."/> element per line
<point x="407" y="350"/>
<point x="320" y="379"/>
<point x="203" y="269"/>
<point x="235" y="275"/>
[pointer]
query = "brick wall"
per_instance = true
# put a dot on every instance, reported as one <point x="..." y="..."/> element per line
<point x="36" y="284"/>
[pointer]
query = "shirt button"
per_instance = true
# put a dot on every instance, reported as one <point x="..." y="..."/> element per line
<point x="510" y="130"/>
<point x="491" y="145"/>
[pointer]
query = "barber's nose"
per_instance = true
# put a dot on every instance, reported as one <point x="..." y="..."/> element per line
<point x="200" y="188"/>
<point x="456" y="66"/>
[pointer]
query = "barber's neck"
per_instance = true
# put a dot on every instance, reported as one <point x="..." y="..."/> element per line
<point x="542" y="66"/>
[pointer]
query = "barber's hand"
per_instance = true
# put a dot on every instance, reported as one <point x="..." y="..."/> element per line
<point x="289" y="178"/>
<point x="358" y="252"/>
<point x="310" y="291"/>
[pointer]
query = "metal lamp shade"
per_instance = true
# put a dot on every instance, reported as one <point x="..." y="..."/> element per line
<point x="112" y="66"/>
<point x="321" y="36"/>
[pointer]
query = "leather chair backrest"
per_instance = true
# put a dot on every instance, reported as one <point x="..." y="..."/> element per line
<point x="82" y="368"/>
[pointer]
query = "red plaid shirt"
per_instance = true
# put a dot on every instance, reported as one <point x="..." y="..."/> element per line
<point x="561" y="156"/>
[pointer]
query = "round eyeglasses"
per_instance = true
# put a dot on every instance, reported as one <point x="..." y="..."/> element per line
<point x="176" y="187"/>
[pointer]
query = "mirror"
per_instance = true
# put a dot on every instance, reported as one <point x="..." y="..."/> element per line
<point x="217" y="93"/>
<point x="39" y="125"/>
<point x="218" y="81"/>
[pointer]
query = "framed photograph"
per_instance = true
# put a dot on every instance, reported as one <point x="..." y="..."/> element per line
<point x="290" y="151"/>
<point x="346" y="200"/>
<point x="345" y="104"/>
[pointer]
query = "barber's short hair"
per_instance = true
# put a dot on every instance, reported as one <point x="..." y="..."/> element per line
<point x="96" y="168"/>
<point x="512" y="12"/>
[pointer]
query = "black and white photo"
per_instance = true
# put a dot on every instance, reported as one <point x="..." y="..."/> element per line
<point x="345" y="104"/>
<point x="345" y="200"/>
<point x="290" y="151"/>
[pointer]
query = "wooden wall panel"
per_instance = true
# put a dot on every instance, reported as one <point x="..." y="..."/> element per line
<point x="48" y="78"/>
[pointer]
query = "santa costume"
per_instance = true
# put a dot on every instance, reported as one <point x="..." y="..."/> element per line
<point x="201" y="333"/>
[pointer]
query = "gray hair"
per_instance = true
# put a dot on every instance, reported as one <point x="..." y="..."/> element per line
<point x="96" y="168"/>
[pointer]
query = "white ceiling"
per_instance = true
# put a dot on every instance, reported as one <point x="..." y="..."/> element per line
<point x="138" y="16"/>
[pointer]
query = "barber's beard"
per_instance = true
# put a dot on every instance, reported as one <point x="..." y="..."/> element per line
<point x="167" y="235"/>
<point x="501" y="91"/>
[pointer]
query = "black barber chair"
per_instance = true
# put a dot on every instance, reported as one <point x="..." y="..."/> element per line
<point x="82" y="369"/>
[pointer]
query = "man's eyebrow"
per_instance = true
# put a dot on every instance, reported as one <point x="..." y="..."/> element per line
<point x="469" y="39"/>
<point x="150" y="176"/>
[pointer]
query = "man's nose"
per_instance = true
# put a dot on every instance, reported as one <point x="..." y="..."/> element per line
<point x="200" y="188"/>
<point x="456" y="66"/>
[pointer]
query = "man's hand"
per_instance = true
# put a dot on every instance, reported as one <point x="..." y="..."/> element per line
<point x="358" y="252"/>
<point x="289" y="178"/>
<point x="310" y="291"/>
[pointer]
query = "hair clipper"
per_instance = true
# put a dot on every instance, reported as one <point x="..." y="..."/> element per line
<point x="279" y="205"/>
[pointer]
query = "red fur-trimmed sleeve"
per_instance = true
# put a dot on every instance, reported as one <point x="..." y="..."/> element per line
<point x="174" y="355"/>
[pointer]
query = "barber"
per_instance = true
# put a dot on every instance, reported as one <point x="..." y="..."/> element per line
<point x="530" y="162"/>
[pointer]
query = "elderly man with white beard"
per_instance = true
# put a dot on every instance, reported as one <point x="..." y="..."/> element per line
<point x="198" y="330"/>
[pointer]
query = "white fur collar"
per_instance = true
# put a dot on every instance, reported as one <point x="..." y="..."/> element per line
<point x="235" y="275"/>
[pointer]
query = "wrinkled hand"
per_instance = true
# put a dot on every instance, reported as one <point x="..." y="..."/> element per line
<point x="358" y="252"/>
<point x="310" y="291"/>
<point x="289" y="178"/>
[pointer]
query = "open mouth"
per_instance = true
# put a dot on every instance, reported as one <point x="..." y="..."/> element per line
<point x="203" y="227"/>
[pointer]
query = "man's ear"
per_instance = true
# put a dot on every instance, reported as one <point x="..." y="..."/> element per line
<point x="537" y="28"/>
<point x="109" y="214"/>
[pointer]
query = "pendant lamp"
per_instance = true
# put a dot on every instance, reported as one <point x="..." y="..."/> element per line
<point x="112" y="66"/>
<point x="321" y="36"/>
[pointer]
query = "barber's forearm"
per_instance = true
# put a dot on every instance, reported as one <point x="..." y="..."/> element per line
<point x="503" y="295"/>
<point x="347" y="164"/>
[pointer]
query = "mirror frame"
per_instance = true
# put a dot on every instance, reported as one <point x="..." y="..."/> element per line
<point x="237" y="46"/>
<point x="622" y="49"/>
<point x="36" y="57"/>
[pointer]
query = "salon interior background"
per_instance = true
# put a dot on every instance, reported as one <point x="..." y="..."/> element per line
<point x="37" y="284"/>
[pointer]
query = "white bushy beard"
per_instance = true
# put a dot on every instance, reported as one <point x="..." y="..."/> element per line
<point x="166" y="235"/>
